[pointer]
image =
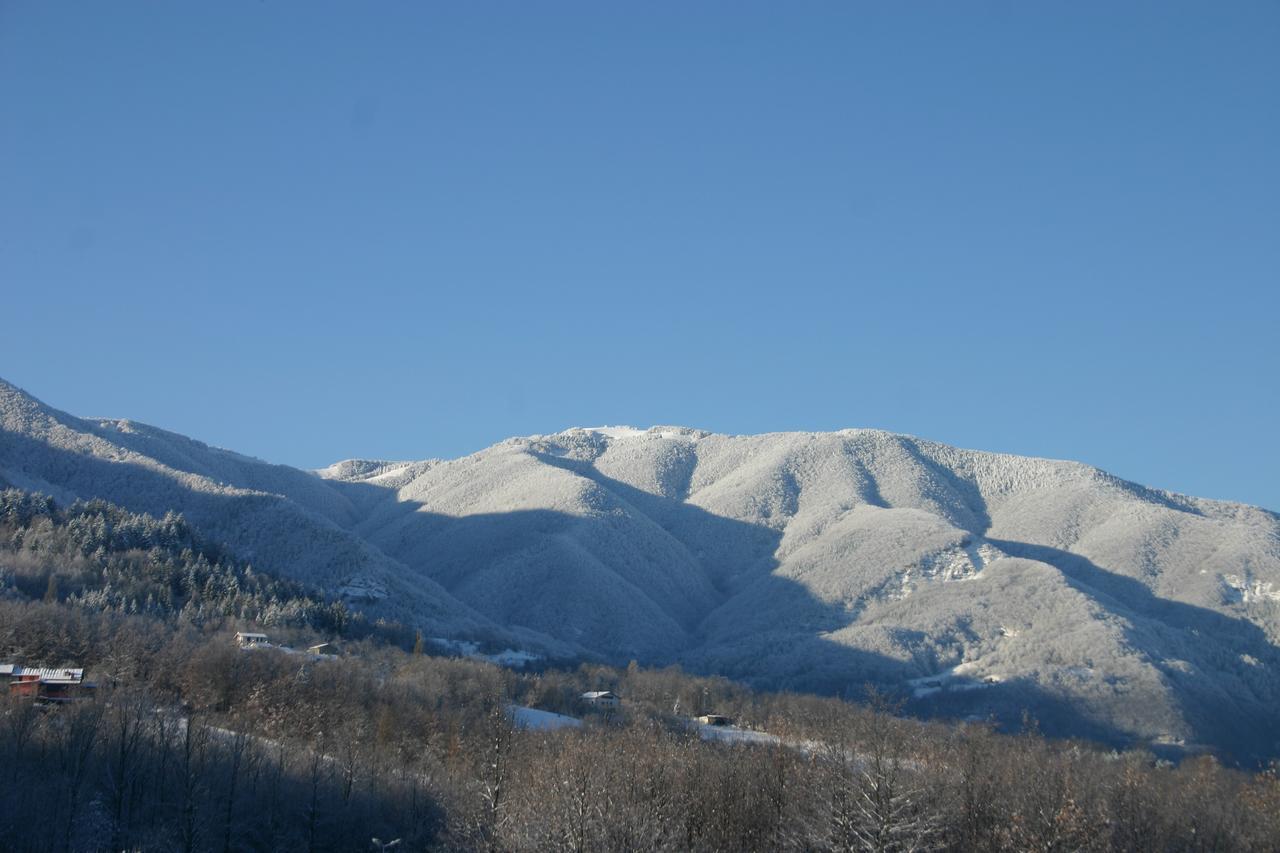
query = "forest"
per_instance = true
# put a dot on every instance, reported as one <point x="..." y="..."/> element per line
<point x="192" y="743"/>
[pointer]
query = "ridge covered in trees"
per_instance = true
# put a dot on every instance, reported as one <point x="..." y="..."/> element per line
<point x="97" y="556"/>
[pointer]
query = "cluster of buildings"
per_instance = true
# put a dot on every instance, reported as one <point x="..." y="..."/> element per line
<point x="48" y="685"/>
<point x="606" y="700"/>
<point x="252" y="640"/>
<point x="58" y="685"/>
<point x="55" y="685"/>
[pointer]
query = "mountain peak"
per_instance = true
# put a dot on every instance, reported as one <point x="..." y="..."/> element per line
<point x="622" y="433"/>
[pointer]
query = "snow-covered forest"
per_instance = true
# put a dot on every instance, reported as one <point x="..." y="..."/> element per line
<point x="970" y="584"/>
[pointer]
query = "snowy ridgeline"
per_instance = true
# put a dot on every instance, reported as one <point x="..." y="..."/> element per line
<point x="814" y="561"/>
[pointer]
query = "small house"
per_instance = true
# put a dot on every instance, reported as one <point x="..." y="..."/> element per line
<point x="51" y="685"/>
<point x="247" y="639"/>
<point x="323" y="649"/>
<point x="602" y="699"/>
<point x="715" y="720"/>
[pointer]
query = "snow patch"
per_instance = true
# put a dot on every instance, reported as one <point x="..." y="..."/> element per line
<point x="534" y="719"/>
<point x="510" y="658"/>
<point x="362" y="589"/>
<point x="958" y="679"/>
<point x="1238" y="590"/>
<point x="733" y="734"/>
<point x="964" y="562"/>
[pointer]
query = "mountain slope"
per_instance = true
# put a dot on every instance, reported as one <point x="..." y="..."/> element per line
<point x="285" y="520"/>
<point x="972" y="583"/>
<point x="977" y="583"/>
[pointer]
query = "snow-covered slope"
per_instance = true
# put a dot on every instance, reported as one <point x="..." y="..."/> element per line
<point x="975" y="583"/>
<point x="285" y="520"/>
<point x="824" y="560"/>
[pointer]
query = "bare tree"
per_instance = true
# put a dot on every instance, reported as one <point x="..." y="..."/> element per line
<point x="78" y="730"/>
<point x="126" y="729"/>
<point x="192" y="760"/>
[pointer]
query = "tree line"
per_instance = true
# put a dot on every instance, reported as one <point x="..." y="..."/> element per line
<point x="98" y="556"/>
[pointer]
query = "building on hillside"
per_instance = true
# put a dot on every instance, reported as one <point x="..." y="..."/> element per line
<point x="245" y="639"/>
<point x="602" y="699"/>
<point x="715" y="720"/>
<point x="50" y="685"/>
<point x="18" y="684"/>
<point x="323" y="649"/>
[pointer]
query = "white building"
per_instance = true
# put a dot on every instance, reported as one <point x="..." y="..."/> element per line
<point x="601" y="699"/>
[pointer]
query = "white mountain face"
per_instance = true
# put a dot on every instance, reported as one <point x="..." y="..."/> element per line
<point x="282" y="519"/>
<point x="973" y="583"/>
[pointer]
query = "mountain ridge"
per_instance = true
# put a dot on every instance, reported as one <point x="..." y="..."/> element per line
<point x="973" y="583"/>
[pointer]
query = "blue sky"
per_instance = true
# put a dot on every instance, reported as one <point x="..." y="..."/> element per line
<point x="309" y="231"/>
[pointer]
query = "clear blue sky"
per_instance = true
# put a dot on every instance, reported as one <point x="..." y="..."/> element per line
<point x="310" y="231"/>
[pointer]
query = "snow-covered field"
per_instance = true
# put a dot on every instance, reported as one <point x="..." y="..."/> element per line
<point x="538" y="720"/>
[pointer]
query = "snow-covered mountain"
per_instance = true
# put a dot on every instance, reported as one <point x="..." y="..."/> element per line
<point x="974" y="583"/>
<point x="284" y="520"/>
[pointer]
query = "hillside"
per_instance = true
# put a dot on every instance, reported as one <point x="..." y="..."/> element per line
<point x="191" y="743"/>
<point x="978" y="583"/>
<point x="281" y="519"/>
<point x="973" y="583"/>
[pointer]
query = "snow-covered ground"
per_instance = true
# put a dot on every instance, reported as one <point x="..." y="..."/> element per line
<point x="970" y="675"/>
<point x="733" y="734"/>
<point x="1247" y="589"/>
<point x="539" y="720"/>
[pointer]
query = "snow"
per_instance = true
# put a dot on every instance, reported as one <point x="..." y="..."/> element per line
<point x="510" y="658"/>
<point x="623" y="433"/>
<point x="288" y="650"/>
<point x="466" y="648"/>
<point x="362" y="589"/>
<point x="281" y="519"/>
<point x="614" y="431"/>
<point x="813" y="560"/>
<point x="733" y="734"/>
<point x="1247" y="589"/>
<point x="538" y="720"/>
<point x="965" y="676"/>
